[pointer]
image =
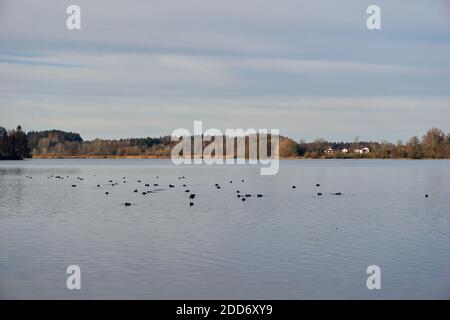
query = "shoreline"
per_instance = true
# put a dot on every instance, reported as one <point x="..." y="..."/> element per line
<point x="96" y="157"/>
<point x="168" y="158"/>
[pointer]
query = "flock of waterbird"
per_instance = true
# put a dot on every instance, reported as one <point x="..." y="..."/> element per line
<point x="144" y="191"/>
<point x="191" y="197"/>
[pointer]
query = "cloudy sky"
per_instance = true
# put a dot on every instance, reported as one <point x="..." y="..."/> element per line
<point x="144" y="68"/>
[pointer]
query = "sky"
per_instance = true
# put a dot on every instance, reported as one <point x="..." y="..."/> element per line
<point x="142" y="68"/>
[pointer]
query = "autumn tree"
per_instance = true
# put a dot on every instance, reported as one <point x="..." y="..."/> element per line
<point x="414" y="148"/>
<point x="435" y="144"/>
<point x="288" y="148"/>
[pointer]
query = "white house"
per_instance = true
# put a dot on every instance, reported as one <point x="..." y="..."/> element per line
<point x="329" y="150"/>
<point x="363" y="150"/>
<point x="345" y="150"/>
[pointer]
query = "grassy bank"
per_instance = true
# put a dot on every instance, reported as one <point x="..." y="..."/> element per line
<point x="55" y="156"/>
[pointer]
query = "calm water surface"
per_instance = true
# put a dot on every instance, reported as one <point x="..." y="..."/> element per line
<point x="289" y="244"/>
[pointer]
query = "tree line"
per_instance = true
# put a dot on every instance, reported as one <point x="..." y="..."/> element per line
<point x="15" y="144"/>
<point x="435" y="144"/>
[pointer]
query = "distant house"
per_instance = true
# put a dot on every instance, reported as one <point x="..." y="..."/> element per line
<point x="345" y="150"/>
<point x="329" y="150"/>
<point x="363" y="150"/>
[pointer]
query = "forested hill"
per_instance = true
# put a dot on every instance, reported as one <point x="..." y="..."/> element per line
<point x="61" y="143"/>
<point x="42" y="141"/>
<point x="15" y="144"/>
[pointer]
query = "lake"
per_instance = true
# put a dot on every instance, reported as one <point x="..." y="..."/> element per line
<point x="288" y="244"/>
